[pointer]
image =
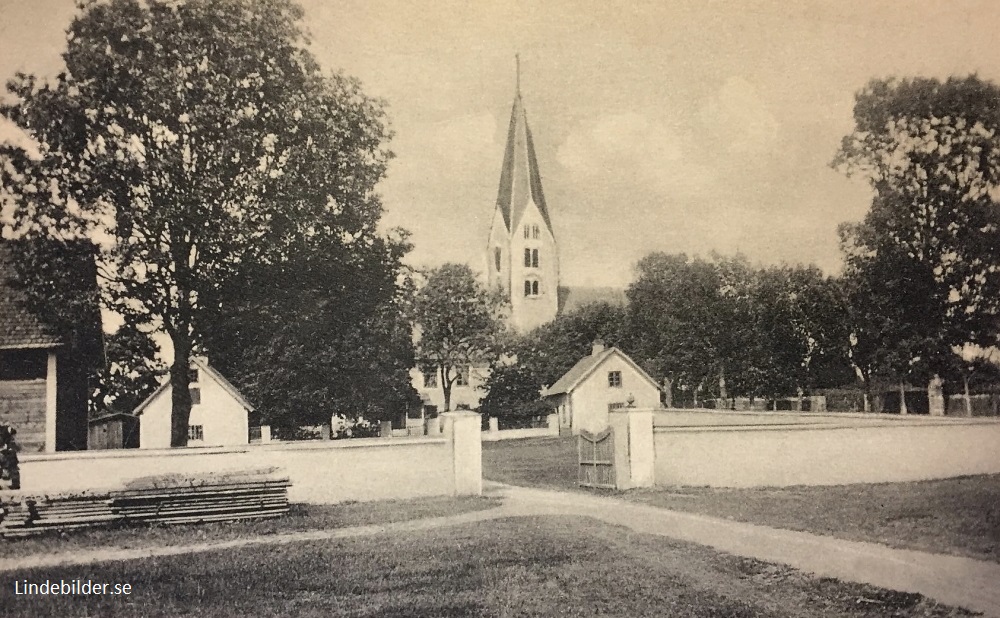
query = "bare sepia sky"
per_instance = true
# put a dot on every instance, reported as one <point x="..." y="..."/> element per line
<point x="681" y="126"/>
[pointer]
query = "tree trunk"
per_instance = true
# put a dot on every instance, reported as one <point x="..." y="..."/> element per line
<point x="902" y="398"/>
<point x="668" y="392"/>
<point x="968" y="401"/>
<point x="180" y="398"/>
<point x="446" y="387"/>
<point x="722" y="384"/>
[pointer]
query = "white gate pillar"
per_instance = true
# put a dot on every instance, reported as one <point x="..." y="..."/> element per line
<point x="463" y="432"/>
<point x="634" y="454"/>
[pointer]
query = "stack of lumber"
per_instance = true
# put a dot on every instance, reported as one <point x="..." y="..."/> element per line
<point x="157" y="500"/>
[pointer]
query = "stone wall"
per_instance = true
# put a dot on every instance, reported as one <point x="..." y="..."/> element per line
<point x="321" y="472"/>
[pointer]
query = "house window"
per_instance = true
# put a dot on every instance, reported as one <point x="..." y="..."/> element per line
<point x="534" y="232"/>
<point x="23" y="364"/>
<point x="527" y="258"/>
<point x="496" y="258"/>
<point x="527" y="231"/>
<point x="462" y="379"/>
<point x="431" y="378"/>
<point x="616" y="405"/>
<point x="195" y="395"/>
<point x="193" y="376"/>
<point x="615" y="379"/>
<point x="534" y="258"/>
<point x="196" y="432"/>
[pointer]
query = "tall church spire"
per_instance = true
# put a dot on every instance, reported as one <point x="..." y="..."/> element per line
<point x="522" y="254"/>
<point x="520" y="179"/>
<point x="517" y="61"/>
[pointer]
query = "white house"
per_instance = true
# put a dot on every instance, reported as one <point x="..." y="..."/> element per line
<point x="219" y="413"/>
<point x="466" y="391"/>
<point x="598" y="383"/>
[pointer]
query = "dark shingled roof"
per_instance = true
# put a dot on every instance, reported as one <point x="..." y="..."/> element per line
<point x="572" y="298"/>
<point x="19" y="328"/>
<point x="519" y="177"/>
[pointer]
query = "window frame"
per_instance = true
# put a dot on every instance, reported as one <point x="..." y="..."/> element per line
<point x="614" y="379"/>
<point x="433" y="381"/>
<point x="196" y="432"/>
<point x="195" y="392"/>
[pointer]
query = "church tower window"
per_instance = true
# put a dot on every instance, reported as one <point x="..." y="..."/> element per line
<point x="527" y="258"/>
<point x="534" y="232"/>
<point x="534" y="288"/>
<point x="527" y="288"/>
<point x="496" y="258"/>
<point x="534" y="258"/>
<point x="527" y="231"/>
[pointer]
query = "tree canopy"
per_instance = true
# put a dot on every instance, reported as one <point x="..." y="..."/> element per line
<point x="931" y="152"/>
<point x="458" y="324"/>
<point x="188" y="140"/>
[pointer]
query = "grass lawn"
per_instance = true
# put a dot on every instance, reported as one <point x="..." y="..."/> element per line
<point x="544" y="566"/>
<point x="958" y="516"/>
<point x="301" y="517"/>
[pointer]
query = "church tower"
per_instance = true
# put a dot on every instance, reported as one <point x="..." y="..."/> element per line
<point x="522" y="255"/>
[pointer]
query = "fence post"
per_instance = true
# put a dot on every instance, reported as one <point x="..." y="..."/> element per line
<point x="463" y="433"/>
<point x="265" y="434"/>
<point x="935" y="396"/>
<point x="494" y="424"/>
<point x="633" y="431"/>
<point x="553" y="420"/>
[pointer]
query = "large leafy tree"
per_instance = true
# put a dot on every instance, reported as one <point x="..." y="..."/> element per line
<point x="458" y="324"/>
<point x="800" y="333"/>
<point x="320" y="333"/>
<point x="931" y="152"/>
<point x="187" y="140"/>
<point x="688" y="319"/>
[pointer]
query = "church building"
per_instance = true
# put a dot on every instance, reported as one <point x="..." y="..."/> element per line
<point x="522" y="254"/>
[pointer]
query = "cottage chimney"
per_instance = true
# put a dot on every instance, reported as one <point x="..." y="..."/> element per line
<point x="597" y="347"/>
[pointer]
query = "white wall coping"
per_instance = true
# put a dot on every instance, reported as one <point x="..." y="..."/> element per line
<point x="819" y="426"/>
<point x="243" y="448"/>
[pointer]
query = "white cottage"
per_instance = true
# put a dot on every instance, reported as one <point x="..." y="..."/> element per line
<point x="603" y="381"/>
<point x="219" y="413"/>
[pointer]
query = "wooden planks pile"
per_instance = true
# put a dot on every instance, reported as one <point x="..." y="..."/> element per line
<point x="153" y="501"/>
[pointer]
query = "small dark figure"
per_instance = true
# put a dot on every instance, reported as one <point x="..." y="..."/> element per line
<point x="8" y="459"/>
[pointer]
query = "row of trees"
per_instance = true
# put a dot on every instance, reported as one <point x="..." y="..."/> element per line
<point x="919" y="296"/>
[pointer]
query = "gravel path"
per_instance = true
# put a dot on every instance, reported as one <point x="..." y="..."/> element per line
<point x="951" y="580"/>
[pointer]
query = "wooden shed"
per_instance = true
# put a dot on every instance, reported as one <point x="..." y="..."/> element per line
<point x="119" y="430"/>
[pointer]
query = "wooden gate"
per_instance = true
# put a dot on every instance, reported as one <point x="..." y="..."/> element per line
<point x="597" y="459"/>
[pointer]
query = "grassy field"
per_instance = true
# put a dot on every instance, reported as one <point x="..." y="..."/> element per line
<point x="958" y="516"/>
<point x="550" y="566"/>
<point x="301" y="517"/>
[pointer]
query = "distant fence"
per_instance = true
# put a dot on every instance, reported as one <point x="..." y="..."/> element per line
<point x="548" y="426"/>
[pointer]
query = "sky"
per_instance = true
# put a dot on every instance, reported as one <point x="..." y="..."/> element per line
<point x="679" y="127"/>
